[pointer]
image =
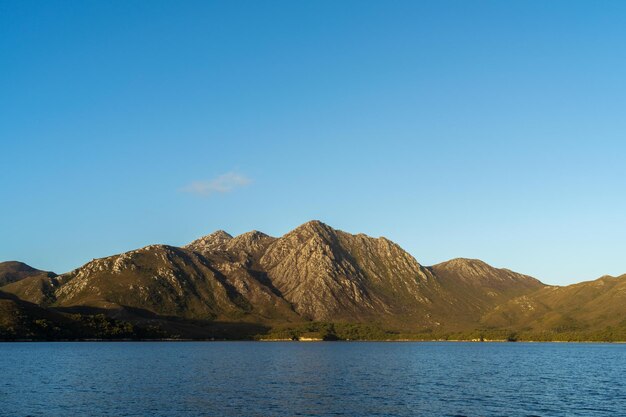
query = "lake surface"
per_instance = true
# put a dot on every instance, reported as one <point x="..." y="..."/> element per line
<point x="306" y="379"/>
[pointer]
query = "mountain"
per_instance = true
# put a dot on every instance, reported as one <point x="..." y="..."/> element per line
<point x="327" y="274"/>
<point x="314" y="279"/>
<point x="312" y="274"/>
<point x="13" y="271"/>
<point x="331" y="275"/>
<point x="480" y="287"/>
<point x="586" y="308"/>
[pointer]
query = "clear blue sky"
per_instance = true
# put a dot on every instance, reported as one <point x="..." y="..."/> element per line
<point x="492" y="130"/>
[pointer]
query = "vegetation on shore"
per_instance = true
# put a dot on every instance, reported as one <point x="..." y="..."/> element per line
<point x="78" y="327"/>
<point x="101" y="327"/>
<point x="351" y="331"/>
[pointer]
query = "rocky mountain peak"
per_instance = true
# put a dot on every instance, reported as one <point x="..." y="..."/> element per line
<point x="251" y="236"/>
<point x="313" y="227"/>
<point x="467" y="265"/>
<point x="249" y="245"/>
<point x="214" y="241"/>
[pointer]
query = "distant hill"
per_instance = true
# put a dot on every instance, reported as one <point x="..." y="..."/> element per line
<point x="13" y="271"/>
<point x="313" y="280"/>
<point x="480" y="287"/>
<point x="592" y="310"/>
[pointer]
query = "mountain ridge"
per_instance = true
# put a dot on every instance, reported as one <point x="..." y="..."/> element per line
<point x="312" y="274"/>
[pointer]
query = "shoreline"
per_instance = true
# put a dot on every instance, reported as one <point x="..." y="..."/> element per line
<point x="305" y="341"/>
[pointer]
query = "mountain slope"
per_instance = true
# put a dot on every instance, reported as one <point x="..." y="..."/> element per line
<point x="161" y="279"/>
<point x="480" y="287"/>
<point x="583" y="307"/>
<point x="20" y="319"/>
<point x="37" y="289"/>
<point x="331" y="275"/>
<point x="13" y="271"/>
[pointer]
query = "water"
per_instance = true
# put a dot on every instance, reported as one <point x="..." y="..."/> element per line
<point x="303" y="379"/>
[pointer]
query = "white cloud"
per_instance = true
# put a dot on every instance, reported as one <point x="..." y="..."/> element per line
<point x="222" y="184"/>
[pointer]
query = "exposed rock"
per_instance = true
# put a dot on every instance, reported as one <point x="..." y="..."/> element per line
<point x="216" y="241"/>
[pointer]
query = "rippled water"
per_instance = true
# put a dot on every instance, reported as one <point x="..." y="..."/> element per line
<point x="292" y="379"/>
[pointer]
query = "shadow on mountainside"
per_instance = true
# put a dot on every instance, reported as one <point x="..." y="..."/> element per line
<point x="172" y="326"/>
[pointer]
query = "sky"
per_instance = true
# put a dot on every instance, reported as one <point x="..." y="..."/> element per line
<point x="484" y="129"/>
